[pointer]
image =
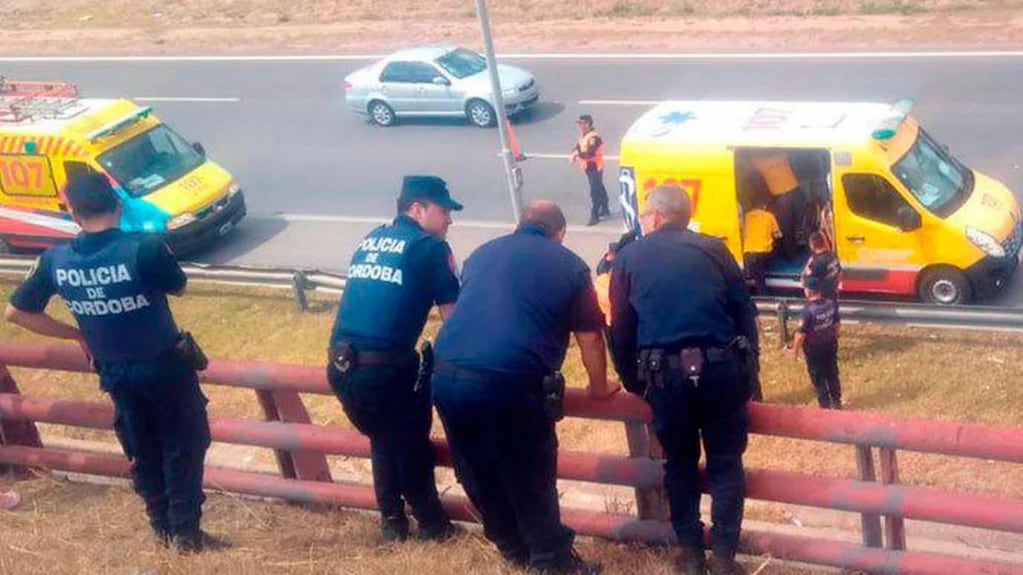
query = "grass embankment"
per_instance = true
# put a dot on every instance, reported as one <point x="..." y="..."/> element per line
<point x="909" y="372"/>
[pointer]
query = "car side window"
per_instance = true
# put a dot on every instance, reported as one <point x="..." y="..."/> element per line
<point x="396" y="72"/>
<point x="873" y="197"/>
<point x="422" y="73"/>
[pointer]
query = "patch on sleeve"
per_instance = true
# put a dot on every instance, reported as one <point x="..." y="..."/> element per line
<point x="35" y="266"/>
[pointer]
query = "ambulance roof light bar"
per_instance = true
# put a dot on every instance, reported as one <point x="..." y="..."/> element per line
<point x="21" y="100"/>
<point x="888" y="125"/>
<point x="120" y="123"/>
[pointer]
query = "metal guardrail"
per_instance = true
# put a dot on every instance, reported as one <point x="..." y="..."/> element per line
<point x="906" y="314"/>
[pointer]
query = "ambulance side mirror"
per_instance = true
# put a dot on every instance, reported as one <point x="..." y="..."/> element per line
<point x="908" y="219"/>
<point x="199" y="148"/>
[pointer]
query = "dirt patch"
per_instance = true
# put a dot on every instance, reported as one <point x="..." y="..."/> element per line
<point x="65" y="529"/>
<point x="360" y="26"/>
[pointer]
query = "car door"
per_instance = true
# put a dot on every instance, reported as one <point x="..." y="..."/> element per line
<point x="397" y="83"/>
<point x="877" y="236"/>
<point x="433" y="90"/>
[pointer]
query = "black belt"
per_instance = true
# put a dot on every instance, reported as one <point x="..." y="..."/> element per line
<point x="448" y="370"/>
<point x="377" y="358"/>
<point x="710" y="355"/>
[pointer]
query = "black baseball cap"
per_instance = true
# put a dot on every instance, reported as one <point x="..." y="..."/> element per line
<point x="427" y="188"/>
<point x="91" y="194"/>
<point x="812" y="283"/>
<point x="585" y="119"/>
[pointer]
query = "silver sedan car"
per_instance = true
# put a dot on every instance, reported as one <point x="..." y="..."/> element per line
<point x="436" y="81"/>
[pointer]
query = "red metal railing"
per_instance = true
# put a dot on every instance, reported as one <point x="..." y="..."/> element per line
<point x="304" y="475"/>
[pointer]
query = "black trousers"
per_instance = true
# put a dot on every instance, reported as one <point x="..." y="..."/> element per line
<point x="755" y="266"/>
<point x="381" y="402"/>
<point x="822" y="365"/>
<point x="505" y="455"/>
<point x="162" y="426"/>
<point x="714" y="410"/>
<point x="598" y="193"/>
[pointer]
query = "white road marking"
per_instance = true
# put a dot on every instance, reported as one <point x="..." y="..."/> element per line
<point x="551" y="56"/>
<point x="620" y="102"/>
<point x="183" y="99"/>
<point x="544" y="156"/>
<point x="471" y="224"/>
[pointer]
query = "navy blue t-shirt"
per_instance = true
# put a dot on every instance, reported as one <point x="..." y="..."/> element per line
<point x="397" y="273"/>
<point x="156" y="263"/>
<point x="523" y="294"/>
<point x="827" y="269"/>
<point x="818" y="325"/>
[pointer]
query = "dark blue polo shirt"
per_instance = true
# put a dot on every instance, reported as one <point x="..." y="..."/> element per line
<point x="827" y="269"/>
<point x="522" y="295"/>
<point x="819" y="322"/>
<point x="674" y="288"/>
<point x="397" y="273"/>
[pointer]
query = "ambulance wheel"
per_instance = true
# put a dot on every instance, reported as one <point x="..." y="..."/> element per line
<point x="381" y="114"/>
<point x="944" y="286"/>
<point x="480" y="114"/>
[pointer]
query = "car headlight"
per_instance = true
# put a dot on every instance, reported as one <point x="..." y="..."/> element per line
<point x="510" y="92"/>
<point x="180" y="220"/>
<point x="234" y="189"/>
<point x="985" y="242"/>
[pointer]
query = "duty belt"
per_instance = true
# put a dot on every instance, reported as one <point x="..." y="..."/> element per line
<point x="449" y="370"/>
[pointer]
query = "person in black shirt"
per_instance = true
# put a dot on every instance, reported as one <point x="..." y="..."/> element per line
<point x="824" y="266"/>
<point x="496" y="383"/>
<point x="818" y="337"/>
<point x="684" y="335"/>
<point x="116" y="286"/>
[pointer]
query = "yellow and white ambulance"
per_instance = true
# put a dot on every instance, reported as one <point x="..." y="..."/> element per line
<point x="166" y="185"/>
<point x="904" y="216"/>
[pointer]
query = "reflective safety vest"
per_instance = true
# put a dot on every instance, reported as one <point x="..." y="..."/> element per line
<point x="583" y="147"/>
<point x="122" y="319"/>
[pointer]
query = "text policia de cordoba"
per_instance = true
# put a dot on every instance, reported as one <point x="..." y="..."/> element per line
<point x="94" y="280"/>
<point x="373" y="270"/>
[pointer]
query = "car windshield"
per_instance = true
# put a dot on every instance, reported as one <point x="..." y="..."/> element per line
<point x="150" y="160"/>
<point x="937" y="179"/>
<point x="462" y="63"/>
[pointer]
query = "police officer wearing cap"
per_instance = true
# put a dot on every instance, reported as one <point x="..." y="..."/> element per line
<point x="397" y="274"/>
<point x="498" y="389"/>
<point x="683" y="334"/>
<point x="116" y="286"/>
<point x="588" y="155"/>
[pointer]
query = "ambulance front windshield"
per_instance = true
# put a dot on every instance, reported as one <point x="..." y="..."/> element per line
<point x="150" y="160"/>
<point x="937" y="179"/>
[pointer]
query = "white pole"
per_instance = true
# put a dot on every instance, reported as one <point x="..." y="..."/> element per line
<point x="512" y="170"/>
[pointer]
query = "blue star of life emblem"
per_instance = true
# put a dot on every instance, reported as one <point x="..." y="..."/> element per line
<point x="677" y="117"/>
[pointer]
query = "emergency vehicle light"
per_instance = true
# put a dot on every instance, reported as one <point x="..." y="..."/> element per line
<point x="888" y="125"/>
<point x="120" y="124"/>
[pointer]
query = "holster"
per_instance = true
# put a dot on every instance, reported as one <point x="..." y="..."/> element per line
<point x="750" y="365"/>
<point x="650" y="367"/>
<point x="342" y="356"/>
<point x="425" y="366"/>
<point x="189" y="351"/>
<point x="554" y="395"/>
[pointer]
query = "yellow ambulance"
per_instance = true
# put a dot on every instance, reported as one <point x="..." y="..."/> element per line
<point x="166" y="185"/>
<point x="904" y="216"/>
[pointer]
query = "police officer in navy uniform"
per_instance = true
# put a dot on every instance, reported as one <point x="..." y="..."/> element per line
<point x="817" y="336"/>
<point x="497" y="387"/>
<point x="824" y="266"/>
<point x="116" y="286"/>
<point x="684" y="335"/>
<point x="397" y="274"/>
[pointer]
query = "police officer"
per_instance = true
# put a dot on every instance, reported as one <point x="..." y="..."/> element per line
<point x="818" y="338"/>
<point x="116" y="286"/>
<point x="824" y="266"/>
<point x="588" y="154"/>
<point x="397" y="274"/>
<point x="683" y="334"/>
<point x="498" y="390"/>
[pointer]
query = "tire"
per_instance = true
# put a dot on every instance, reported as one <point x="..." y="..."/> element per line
<point x="944" y="286"/>
<point x="381" y="113"/>
<point x="480" y="114"/>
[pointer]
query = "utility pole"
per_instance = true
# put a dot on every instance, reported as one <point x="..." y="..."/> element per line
<point x="511" y="168"/>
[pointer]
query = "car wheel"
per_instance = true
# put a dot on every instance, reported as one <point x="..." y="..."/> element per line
<point x="944" y="286"/>
<point x="381" y="114"/>
<point x="480" y="113"/>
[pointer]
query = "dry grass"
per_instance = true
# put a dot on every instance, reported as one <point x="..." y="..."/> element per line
<point x="63" y="528"/>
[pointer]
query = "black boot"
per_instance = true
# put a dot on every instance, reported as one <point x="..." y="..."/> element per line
<point x="197" y="542"/>
<point x="718" y="565"/>
<point x="394" y="529"/>
<point x="690" y="561"/>
<point x="441" y="531"/>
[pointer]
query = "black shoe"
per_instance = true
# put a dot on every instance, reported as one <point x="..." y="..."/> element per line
<point x="718" y="565"/>
<point x="605" y="212"/>
<point x="163" y="538"/>
<point x="394" y="529"/>
<point x="571" y="565"/>
<point x="197" y="542"/>
<point x="690" y="561"/>
<point x="593" y="221"/>
<point x="439" y="532"/>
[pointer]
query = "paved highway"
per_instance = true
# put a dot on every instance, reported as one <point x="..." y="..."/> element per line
<point x="316" y="177"/>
